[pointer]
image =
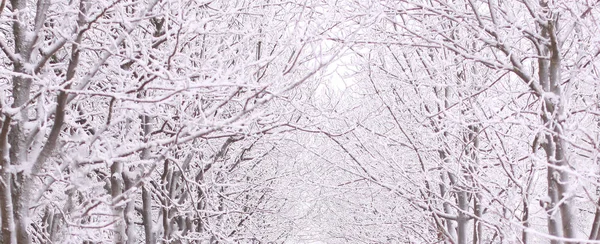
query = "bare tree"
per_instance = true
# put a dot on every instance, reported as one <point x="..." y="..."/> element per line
<point x="484" y="85"/>
<point x="123" y="112"/>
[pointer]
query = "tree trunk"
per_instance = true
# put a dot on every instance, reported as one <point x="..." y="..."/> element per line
<point x="553" y="116"/>
<point x="447" y="208"/>
<point x="462" y="220"/>
<point x="117" y="185"/>
<point x="473" y="139"/>
<point x="146" y="194"/>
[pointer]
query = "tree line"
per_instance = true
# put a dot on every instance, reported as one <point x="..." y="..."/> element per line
<point x="412" y="121"/>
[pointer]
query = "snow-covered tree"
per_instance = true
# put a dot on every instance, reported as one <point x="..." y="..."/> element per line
<point x="126" y="121"/>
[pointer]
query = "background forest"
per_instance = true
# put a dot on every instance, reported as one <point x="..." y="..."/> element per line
<point x="308" y="121"/>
